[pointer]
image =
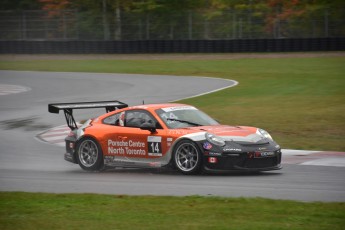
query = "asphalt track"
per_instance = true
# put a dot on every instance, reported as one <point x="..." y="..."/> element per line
<point x="27" y="164"/>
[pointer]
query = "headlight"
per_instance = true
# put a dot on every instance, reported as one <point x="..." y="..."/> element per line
<point x="264" y="134"/>
<point x="214" y="139"/>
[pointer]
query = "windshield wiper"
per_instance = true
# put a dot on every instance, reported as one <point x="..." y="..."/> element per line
<point x="183" y="121"/>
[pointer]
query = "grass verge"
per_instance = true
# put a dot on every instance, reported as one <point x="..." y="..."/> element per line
<point x="86" y="211"/>
<point x="300" y="101"/>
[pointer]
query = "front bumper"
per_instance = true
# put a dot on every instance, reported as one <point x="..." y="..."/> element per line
<point x="264" y="155"/>
<point x="242" y="162"/>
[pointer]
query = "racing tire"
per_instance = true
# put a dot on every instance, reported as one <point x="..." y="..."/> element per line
<point x="187" y="157"/>
<point x="89" y="154"/>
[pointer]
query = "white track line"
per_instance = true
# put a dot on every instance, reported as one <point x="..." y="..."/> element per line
<point x="336" y="161"/>
<point x="293" y="152"/>
<point x="234" y="83"/>
<point x="12" y="89"/>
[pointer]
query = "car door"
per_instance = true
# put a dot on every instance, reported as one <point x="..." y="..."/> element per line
<point x="133" y="143"/>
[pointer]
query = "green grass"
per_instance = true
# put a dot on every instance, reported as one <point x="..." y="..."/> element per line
<point x="300" y="101"/>
<point x="85" y="211"/>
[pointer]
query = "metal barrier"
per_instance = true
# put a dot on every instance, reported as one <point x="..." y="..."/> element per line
<point x="172" y="46"/>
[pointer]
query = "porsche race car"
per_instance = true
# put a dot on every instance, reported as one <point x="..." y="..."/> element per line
<point x="159" y="135"/>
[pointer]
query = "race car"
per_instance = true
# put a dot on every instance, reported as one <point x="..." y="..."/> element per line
<point x="160" y="135"/>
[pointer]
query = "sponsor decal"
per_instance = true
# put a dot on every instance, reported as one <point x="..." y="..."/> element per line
<point x="169" y="140"/>
<point x="176" y="108"/>
<point x="250" y="155"/>
<point x="214" y="154"/>
<point x="154" y="144"/>
<point x="212" y="160"/>
<point x="155" y="164"/>
<point x="109" y="159"/>
<point x="262" y="148"/>
<point x="177" y="132"/>
<point x="154" y="139"/>
<point x="264" y="154"/>
<point x="129" y="148"/>
<point x="232" y="150"/>
<point x="167" y="116"/>
<point x="207" y="145"/>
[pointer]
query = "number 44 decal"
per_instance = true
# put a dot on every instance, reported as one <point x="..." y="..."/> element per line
<point x="155" y="145"/>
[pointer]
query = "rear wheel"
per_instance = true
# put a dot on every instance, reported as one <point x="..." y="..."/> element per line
<point x="187" y="157"/>
<point x="89" y="154"/>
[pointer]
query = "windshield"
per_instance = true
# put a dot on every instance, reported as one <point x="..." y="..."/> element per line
<point x="184" y="116"/>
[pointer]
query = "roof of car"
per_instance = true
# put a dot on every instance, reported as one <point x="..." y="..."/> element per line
<point x="156" y="106"/>
<point x="149" y="107"/>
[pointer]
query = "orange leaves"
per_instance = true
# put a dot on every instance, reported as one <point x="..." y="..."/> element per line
<point x="283" y="10"/>
<point x="54" y="4"/>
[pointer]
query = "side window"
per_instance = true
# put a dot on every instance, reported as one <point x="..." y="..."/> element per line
<point x="112" y="120"/>
<point x="136" y="118"/>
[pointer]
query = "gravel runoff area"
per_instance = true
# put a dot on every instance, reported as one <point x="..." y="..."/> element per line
<point x="194" y="56"/>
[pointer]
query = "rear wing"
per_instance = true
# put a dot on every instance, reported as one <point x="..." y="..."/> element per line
<point x="69" y="107"/>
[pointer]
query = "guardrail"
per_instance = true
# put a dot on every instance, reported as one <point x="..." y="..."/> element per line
<point x="172" y="46"/>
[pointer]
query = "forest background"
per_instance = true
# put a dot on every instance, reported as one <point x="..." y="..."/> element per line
<point x="170" y="19"/>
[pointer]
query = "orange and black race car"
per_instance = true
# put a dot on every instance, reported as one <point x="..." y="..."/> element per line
<point x="159" y="135"/>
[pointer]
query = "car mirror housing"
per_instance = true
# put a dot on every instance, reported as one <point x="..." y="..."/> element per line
<point x="148" y="126"/>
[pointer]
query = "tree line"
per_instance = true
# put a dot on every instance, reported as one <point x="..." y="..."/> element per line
<point x="207" y="19"/>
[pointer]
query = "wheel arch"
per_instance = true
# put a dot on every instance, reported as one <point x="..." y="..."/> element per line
<point x="183" y="138"/>
<point x="187" y="156"/>
<point x="81" y="138"/>
<point x="198" y="138"/>
<point x="99" y="146"/>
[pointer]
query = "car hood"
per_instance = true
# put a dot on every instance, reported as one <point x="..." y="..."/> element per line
<point x="231" y="133"/>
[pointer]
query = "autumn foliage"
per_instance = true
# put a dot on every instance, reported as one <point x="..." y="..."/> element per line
<point x="54" y="6"/>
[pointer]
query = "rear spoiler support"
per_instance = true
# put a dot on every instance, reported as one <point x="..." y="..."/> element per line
<point x="69" y="107"/>
<point x="70" y="119"/>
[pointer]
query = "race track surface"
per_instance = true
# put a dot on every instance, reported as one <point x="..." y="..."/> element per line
<point x="27" y="164"/>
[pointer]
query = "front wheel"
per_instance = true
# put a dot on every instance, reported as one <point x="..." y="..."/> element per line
<point x="89" y="154"/>
<point x="187" y="157"/>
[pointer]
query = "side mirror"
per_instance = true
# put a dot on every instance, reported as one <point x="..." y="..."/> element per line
<point x="148" y="126"/>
